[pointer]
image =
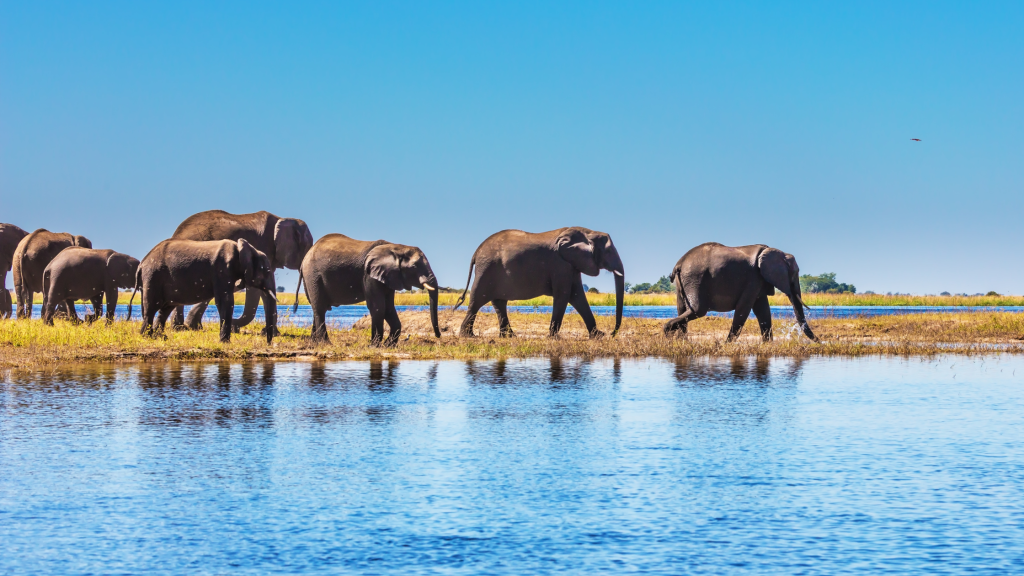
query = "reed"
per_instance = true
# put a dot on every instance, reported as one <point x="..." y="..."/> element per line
<point x="31" y="344"/>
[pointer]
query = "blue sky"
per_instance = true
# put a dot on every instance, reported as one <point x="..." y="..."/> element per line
<point x="437" y="124"/>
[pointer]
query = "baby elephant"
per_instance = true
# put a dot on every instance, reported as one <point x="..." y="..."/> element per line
<point x="185" y="272"/>
<point x="83" y="273"/>
<point x="339" y="270"/>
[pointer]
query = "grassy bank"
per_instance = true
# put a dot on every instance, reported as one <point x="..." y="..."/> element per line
<point x="31" y="344"/>
<point x="420" y="299"/>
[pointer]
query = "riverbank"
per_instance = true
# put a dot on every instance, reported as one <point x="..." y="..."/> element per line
<point x="603" y="299"/>
<point x="30" y="344"/>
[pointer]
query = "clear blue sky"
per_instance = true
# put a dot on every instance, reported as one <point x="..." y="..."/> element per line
<point x="437" y="124"/>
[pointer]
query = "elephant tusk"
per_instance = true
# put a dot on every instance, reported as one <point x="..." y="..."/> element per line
<point x="616" y="272"/>
<point x="429" y="287"/>
<point x="271" y="294"/>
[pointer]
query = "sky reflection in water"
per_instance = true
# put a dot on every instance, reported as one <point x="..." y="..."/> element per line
<point x="749" y="465"/>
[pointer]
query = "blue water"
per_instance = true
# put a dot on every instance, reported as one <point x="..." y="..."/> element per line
<point x="862" y="466"/>
<point x="345" y="316"/>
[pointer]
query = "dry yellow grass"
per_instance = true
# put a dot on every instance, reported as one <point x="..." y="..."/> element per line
<point x="34" y="345"/>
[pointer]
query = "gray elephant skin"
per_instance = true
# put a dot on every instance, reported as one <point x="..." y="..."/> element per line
<point x="87" y="274"/>
<point x="713" y="277"/>
<point x="517" y="265"/>
<point x="339" y="270"/>
<point x="31" y="258"/>
<point x="10" y="236"/>
<point x="183" y="272"/>
<point x="285" y="241"/>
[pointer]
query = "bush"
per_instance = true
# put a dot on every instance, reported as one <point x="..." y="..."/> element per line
<point x="824" y="283"/>
<point x="662" y="286"/>
<point x="593" y="291"/>
<point x="993" y="293"/>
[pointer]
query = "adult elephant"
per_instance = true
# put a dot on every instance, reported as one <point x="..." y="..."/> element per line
<point x="517" y="265"/>
<point x="285" y="241"/>
<point x="713" y="277"/>
<point x="340" y="270"/>
<point x="31" y="258"/>
<point x="10" y="236"/>
<point x="183" y="272"/>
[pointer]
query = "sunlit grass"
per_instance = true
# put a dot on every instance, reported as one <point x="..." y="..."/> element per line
<point x="33" y="344"/>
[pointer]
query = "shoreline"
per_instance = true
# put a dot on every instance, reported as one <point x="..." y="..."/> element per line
<point x="32" y="345"/>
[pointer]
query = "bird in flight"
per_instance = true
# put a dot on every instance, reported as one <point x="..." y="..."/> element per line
<point x="916" y="139"/>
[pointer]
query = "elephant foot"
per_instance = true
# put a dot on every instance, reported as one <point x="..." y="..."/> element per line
<point x="505" y="334"/>
<point x="271" y="329"/>
<point x="596" y="334"/>
<point x="180" y="327"/>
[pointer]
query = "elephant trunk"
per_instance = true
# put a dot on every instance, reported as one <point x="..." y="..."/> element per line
<point x="620" y="289"/>
<point x="798" y="309"/>
<point x="432" y="294"/>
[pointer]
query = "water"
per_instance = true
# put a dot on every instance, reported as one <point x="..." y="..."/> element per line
<point x="346" y="316"/>
<point x="825" y="466"/>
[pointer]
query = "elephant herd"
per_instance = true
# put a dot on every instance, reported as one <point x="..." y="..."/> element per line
<point x="213" y="254"/>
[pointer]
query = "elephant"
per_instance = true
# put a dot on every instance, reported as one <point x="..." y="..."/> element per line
<point x="182" y="272"/>
<point x="31" y="258"/>
<point x="713" y="277"/>
<point x="10" y="236"/>
<point x="517" y="265"/>
<point x="84" y="273"/>
<point x="339" y="270"/>
<point x="285" y="241"/>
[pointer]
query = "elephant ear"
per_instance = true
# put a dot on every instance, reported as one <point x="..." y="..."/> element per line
<point x="383" y="265"/>
<point x="576" y="248"/>
<point x="288" y="240"/>
<point x="774" y="267"/>
<point x="246" y="259"/>
<point x="83" y="242"/>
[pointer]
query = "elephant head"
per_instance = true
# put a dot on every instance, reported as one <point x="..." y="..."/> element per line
<point x="122" y="269"/>
<point x="256" y="270"/>
<point x="82" y="242"/>
<point x="292" y="240"/>
<point x="590" y="252"/>
<point x="781" y="271"/>
<point x="403" y="267"/>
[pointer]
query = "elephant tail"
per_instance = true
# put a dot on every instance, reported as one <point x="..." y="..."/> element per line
<point x="295" y="306"/>
<point x="462" y="298"/>
<point x="138" y="283"/>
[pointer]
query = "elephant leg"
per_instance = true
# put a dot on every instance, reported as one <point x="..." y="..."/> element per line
<point x="194" y="321"/>
<point x="49" y="308"/>
<point x="319" y="332"/>
<point x="504" y="326"/>
<point x="161" y="319"/>
<point x="97" y="308"/>
<point x="225" y="302"/>
<point x="560" y="301"/>
<point x="376" y="306"/>
<point x="739" y="317"/>
<point x="475" y="304"/>
<point x="252" y="302"/>
<point x="5" y="296"/>
<point x="72" y="313"/>
<point x="270" y="311"/>
<point x="678" y="324"/>
<point x="178" y="318"/>
<point x="148" y="312"/>
<point x="25" y="303"/>
<point x="394" y="324"/>
<point x="763" y="313"/>
<point x="111" y="297"/>
<point x="578" y="299"/>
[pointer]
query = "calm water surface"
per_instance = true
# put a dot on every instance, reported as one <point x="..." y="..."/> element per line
<point x="824" y="466"/>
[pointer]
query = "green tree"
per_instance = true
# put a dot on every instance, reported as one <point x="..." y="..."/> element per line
<point x="824" y="283"/>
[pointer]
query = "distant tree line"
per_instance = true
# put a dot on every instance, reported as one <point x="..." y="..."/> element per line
<point x="824" y="284"/>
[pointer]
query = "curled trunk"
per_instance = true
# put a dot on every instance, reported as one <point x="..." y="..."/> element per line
<point x="620" y="289"/>
<point x="433" y="311"/>
<point x="798" y="309"/>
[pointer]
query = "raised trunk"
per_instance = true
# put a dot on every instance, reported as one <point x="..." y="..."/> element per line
<point x="433" y="311"/>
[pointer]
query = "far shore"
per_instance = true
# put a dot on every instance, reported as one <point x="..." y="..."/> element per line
<point x="31" y="344"/>
<point x="604" y="299"/>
